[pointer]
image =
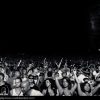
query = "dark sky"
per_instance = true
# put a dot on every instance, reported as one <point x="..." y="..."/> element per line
<point x="46" y="30"/>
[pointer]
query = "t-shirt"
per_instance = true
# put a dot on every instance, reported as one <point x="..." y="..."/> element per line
<point x="5" y="89"/>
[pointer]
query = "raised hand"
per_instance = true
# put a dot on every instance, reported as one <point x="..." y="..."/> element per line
<point x="59" y="64"/>
<point x="74" y="71"/>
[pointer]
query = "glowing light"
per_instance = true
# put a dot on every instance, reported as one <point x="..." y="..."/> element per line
<point x="92" y="24"/>
<point x="98" y="49"/>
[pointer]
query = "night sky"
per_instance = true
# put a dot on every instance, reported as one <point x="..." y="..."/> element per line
<point x="50" y="30"/>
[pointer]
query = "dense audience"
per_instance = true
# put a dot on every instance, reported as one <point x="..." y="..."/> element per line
<point x="45" y="77"/>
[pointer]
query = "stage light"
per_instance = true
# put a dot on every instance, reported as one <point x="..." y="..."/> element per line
<point x="98" y="49"/>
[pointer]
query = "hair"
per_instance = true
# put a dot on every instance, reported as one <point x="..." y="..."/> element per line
<point x="31" y="78"/>
<point x="19" y="79"/>
<point x="16" y="71"/>
<point x="41" y="74"/>
<point x="2" y="75"/>
<point x="30" y="70"/>
<point x="53" y="85"/>
<point x="49" y="74"/>
<point x="82" y="87"/>
<point x="69" y="82"/>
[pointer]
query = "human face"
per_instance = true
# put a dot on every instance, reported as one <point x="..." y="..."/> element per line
<point x="24" y="71"/>
<point x="57" y="75"/>
<point x="41" y="78"/>
<point x="87" y="87"/>
<point x="65" y="83"/>
<point x="17" y="83"/>
<point x="48" y="83"/>
<point x="64" y="74"/>
<point x="30" y="80"/>
<point x="35" y="72"/>
<point x="17" y="74"/>
<point x="49" y="69"/>
<point x="25" y="85"/>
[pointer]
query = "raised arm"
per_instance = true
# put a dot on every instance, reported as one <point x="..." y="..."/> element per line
<point x="78" y="85"/>
<point x="59" y="64"/>
<point x="73" y="88"/>
<point x="60" y="89"/>
<point x="95" y="89"/>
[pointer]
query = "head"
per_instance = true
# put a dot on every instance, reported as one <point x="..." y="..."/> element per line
<point x="41" y="77"/>
<point x="50" y="83"/>
<point x="31" y="79"/>
<point x="1" y="77"/>
<point x="66" y="83"/>
<point x="64" y="74"/>
<point x="18" y="82"/>
<point x="56" y="74"/>
<point x="86" y="80"/>
<point x="30" y="72"/>
<point x="24" y="71"/>
<point x="49" y="74"/>
<point x="86" y="87"/>
<point x="25" y="84"/>
<point x="17" y="73"/>
<point x="49" y="69"/>
<point x="35" y="72"/>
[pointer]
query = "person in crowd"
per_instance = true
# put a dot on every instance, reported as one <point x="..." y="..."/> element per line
<point x="30" y="88"/>
<point x="66" y="89"/>
<point x="4" y="86"/>
<point x="3" y="70"/>
<point x="32" y="84"/>
<point x="49" y="87"/>
<point x="12" y="79"/>
<point x="17" y="90"/>
<point x="24" y="73"/>
<point x="79" y="77"/>
<point x="40" y="81"/>
<point x="25" y="86"/>
<point x="85" y="89"/>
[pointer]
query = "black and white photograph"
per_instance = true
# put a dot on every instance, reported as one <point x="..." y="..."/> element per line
<point x="51" y="50"/>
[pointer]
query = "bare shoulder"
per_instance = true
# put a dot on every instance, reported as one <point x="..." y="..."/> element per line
<point x="35" y="93"/>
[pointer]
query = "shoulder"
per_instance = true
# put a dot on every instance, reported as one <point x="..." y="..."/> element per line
<point x="83" y="94"/>
<point x="12" y="91"/>
<point x="35" y="93"/>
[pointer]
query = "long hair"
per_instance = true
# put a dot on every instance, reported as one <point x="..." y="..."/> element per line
<point x="83" y="85"/>
<point x="69" y="82"/>
<point x="53" y="85"/>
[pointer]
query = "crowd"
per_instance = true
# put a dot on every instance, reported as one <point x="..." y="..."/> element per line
<point x="57" y="77"/>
